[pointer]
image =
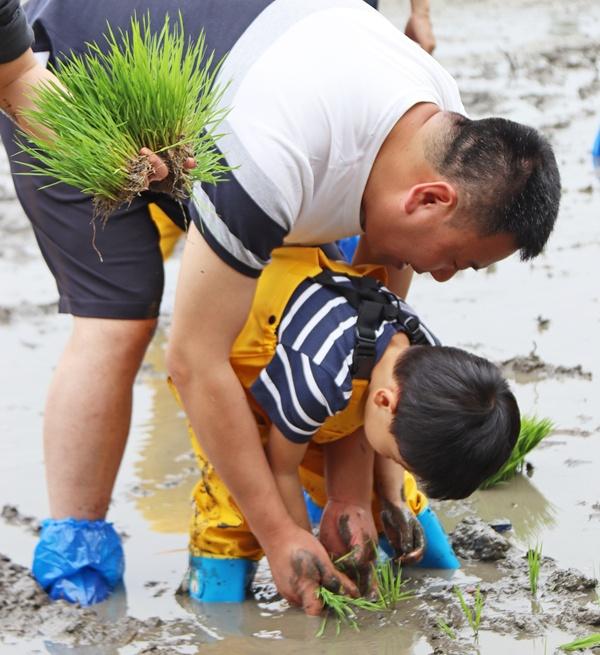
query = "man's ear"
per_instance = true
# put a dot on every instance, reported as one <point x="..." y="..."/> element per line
<point x="439" y="197"/>
<point x="386" y="399"/>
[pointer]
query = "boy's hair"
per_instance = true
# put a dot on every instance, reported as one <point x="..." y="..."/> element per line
<point x="508" y="174"/>
<point x="457" y="420"/>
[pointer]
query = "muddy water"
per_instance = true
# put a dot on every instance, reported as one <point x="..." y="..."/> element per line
<point x="530" y="61"/>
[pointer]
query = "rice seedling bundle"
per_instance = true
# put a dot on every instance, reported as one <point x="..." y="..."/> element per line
<point x="143" y="89"/>
<point x="532" y="431"/>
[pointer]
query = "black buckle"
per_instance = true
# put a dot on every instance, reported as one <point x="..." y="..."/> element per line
<point x="365" y="353"/>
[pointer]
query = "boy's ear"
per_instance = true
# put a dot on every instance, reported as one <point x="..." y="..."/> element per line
<point x="439" y="197"/>
<point x="386" y="399"/>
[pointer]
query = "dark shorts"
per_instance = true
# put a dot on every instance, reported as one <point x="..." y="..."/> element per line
<point x="127" y="283"/>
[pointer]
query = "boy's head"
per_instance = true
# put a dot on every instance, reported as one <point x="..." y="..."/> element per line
<point x="454" y="419"/>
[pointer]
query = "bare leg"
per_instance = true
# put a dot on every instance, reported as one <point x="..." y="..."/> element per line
<point x="88" y="412"/>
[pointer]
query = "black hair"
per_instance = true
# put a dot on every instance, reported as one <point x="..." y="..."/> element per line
<point x="457" y="420"/>
<point x="509" y="177"/>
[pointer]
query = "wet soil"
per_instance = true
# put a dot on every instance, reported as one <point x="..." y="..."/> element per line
<point x="533" y="62"/>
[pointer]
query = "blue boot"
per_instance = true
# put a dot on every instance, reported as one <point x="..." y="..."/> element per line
<point x="219" y="579"/>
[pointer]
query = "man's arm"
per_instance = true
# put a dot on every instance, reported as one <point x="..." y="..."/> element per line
<point x="18" y="80"/>
<point x="285" y="457"/>
<point x="211" y="306"/>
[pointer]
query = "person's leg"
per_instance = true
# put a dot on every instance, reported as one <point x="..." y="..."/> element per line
<point x="115" y="301"/>
<point x="88" y="411"/>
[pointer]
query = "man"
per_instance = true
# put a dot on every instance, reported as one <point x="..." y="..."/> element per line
<point x="114" y="303"/>
<point x="338" y="126"/>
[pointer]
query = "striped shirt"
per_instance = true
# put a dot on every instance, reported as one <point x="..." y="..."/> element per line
<point x="309" y="377"/>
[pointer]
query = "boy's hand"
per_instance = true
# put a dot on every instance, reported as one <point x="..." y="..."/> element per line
<point x="404" y="532"/>
<point x="300" y="565"/>
<point x="349" y="531"/>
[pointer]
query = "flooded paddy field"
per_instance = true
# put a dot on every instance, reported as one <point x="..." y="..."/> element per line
<point x="534" y="62"/>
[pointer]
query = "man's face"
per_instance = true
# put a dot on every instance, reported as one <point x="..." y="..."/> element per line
<point x="442" y="249"/>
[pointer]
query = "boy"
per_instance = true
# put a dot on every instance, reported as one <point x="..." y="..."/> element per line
<point x="337" y="368"/>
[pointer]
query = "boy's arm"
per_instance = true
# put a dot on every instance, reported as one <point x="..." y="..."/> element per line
<point x="347" y="524"/>
<point x="285" y="457"/>
<point x="211" y="306"/>
<point x="402" y="528"/>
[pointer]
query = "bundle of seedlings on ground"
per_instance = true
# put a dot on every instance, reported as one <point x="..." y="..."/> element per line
<point x="473" y="615"/>
<point x="534" y="562"/>
<point x="137" y="89"/>
<point x="591" y="641"/>
<point x="390" y="591"/>
<point x="532" y="431"/>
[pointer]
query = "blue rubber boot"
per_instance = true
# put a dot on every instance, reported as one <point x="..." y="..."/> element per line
<point x="220" y="580"/>
<point x="78" y="561"/>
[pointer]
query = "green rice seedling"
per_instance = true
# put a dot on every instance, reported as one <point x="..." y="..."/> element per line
<point x="532" y="431"/>
<point x="445" y="628"/>
<point x="534" y="562"/>
<point x="142" y="89"/>
<point x="473" y="615"/>
<point x="389" y="585"/>
<point x="591" y="641"/>
<point x="344" y="608"/>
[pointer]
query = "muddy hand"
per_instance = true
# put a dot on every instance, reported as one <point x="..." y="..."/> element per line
<point x="300" y="565"/>
<point x="348" y="533"/>
<point x="404" y="532"/>
<point x="159" y="175"/>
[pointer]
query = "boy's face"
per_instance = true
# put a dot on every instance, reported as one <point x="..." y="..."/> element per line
<point x="379" y="412"/>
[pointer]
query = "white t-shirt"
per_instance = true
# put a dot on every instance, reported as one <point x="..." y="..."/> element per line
<point x="315" y="88"/>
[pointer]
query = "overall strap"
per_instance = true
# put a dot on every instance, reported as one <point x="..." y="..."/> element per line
<point x="374" y="305"/>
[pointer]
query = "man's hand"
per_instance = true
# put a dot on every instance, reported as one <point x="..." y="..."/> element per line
<point x="300" y="565"/>
<point x="404" y="532"/>
<point x="348" y="531"/>
<point x="160" y="175"/>
<point x="419" y="29"/>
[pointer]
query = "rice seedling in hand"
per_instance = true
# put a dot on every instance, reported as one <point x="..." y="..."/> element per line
<point x="532" y="431"/>
<point x="344" y="608"/>
<point x="473" y="615"/>
<point x="591" y="641"/>
<point x="138" y="89"/>
<point x="534" y="562"/>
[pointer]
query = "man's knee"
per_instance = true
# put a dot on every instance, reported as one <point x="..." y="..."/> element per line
<point x="125" y="340"/>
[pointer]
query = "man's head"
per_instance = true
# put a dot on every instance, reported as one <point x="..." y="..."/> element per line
<point x="451" y="419"/>
<point x="462" y="194"/>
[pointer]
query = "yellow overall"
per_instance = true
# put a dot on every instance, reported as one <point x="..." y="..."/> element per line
<point x="218" y="528"/>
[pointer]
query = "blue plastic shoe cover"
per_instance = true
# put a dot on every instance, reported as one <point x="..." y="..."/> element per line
<point x="78" y="560"/>
<point x="220" y="580"/>
<point x="438" y="550"/>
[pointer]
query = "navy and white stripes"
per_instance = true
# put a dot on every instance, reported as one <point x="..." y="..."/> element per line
<point x="309" y="377"/>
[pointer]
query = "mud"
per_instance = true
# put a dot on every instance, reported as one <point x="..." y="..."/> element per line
<point x="532" y="368"/>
